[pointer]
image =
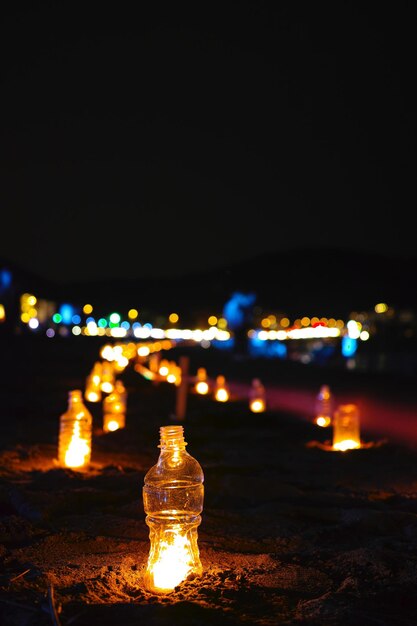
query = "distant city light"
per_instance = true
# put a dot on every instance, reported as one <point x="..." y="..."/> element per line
<point x="222" y="323"/>
<point x="141" y="332"/>
<point x="353" y="329"/>
<point x="349" y="346"/>
<point x="114" y="318"/>
<point x="67" y="312"/>
<point x="118" y="332"/>
<point x="91" y="329"/>
<point x="5" y="279"/>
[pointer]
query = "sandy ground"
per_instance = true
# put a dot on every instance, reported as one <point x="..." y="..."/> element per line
<point x="291" y="532"/>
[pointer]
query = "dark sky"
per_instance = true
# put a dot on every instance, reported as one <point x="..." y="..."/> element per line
<point x="181" y="136"/>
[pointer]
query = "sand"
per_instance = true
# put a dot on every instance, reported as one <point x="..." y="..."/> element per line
<point x="292" y="533"/>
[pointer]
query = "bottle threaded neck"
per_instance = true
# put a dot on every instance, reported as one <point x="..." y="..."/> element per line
<point x="171" y="437"/>
<point x="75" y="395"/>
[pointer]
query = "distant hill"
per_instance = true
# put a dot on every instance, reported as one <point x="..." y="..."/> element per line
<point x="320" y="282"/>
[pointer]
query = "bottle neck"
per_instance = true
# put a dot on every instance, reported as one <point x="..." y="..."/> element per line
<point x="75" y="397"/>
<point x="171" y="438"/>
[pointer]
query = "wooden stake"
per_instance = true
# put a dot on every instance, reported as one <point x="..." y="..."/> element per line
<point x="182" y="389"/>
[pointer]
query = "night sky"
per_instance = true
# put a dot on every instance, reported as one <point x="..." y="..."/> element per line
<point x="183" y="136"/>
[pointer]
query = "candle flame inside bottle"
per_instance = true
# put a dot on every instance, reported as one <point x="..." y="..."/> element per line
<point x="173" y="564"/>
<point x="222" y="394"/>
<point x="257" y="406"/>
<point x="323" y="421"/>
<point x="92" y="396"/>
<point x="202" y="387"/>
<point x="78" y="449"/>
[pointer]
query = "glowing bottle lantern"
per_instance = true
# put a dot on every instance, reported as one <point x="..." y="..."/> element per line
<point x="164" y="368"/>
<point x="114" y="410"/>
<point x="323" y="407"/>
<point x="174" y="373"/>
<point x="221" y="392"/>
<point x="96" y="372"/>
<point x="92" y="391"/>
<point x="153" y="361"/>
<point x="201" y="384"/>
<point x="107" y="377"/>
<point x="346" y="435"/>
<point x="173" y="495"/>
<point x="257" y="400"/>
<point x="75" y="433"/>
<point x="121" y="390"/>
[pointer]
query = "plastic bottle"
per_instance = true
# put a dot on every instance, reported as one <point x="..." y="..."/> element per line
<point x="122" y="391"/>
<point x="92" y="391"/>
<point x="201" y="384"/>
<point x="221" y="391"/>
<point x="257" y="396"/>
<point x="75" y="433"/>
<point x="107" y="377"/>
<point x="346" y="429"/>
<point x="173" y="495"/>
<point x="324" y="407"/>
<point x="114" y="409"/>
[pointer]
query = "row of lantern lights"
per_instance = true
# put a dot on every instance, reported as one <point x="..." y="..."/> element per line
<point x="174" y="552"/>
<point x="221" y="393"/>
<point x="75" y="432"/>
<point x="76" y="423"/>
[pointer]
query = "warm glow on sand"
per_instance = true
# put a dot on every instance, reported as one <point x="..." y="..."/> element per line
<point x="347" y="444"/>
